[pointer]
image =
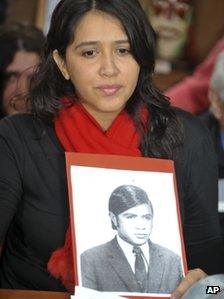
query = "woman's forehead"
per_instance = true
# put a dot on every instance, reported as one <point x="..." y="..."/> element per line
<point x="105" y="26"/>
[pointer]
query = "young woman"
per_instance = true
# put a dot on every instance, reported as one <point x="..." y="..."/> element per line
<point x="93" y="93"/>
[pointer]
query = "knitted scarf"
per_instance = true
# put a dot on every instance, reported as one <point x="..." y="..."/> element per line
<point x="79" y="132"/>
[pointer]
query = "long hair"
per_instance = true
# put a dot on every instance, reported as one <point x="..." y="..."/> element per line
<point x="161" y="134"/>
<point x="13" y="38"/>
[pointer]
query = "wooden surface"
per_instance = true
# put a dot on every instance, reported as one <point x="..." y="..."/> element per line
<point x="163" y="82"/>
<point x="40" y="14"/>
<point x="21" y="294"/>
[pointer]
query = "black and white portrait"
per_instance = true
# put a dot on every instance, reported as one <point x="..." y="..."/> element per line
<point x="127" y="232"/>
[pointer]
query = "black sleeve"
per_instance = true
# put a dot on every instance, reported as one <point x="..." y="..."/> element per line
<point x="10" y="176"/>
<point x="202" y="234"/>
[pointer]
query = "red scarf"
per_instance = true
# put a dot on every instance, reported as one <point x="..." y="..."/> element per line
<point x="79" y="132"/>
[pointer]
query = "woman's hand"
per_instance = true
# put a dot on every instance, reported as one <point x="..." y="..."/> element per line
<point x="192" y="277"/>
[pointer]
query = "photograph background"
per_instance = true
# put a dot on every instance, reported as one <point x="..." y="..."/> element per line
<point x="91" y="189"/>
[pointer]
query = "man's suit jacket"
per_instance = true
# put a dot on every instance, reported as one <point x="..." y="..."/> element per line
<point x="105" y="268"/>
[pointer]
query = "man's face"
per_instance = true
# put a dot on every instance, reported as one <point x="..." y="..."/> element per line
<point x="134" y="225"/>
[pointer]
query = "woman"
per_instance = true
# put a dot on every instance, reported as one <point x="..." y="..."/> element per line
<point x="21" y="48"/>
<point x="93" y="93"/>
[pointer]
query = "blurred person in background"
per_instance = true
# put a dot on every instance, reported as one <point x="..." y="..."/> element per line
<point x="20" y="53"/>
<point x="191" y="93"/>
<point x="214" y="120"/>
<point x="214" y="116"/>
<point x="171" y="20"/>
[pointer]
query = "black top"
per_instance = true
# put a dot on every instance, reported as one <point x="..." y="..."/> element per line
<point x="34" y="209"/>
<point x="214" y="128"/>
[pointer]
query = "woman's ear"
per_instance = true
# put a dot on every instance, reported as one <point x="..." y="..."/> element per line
<point x="61" y="64"/>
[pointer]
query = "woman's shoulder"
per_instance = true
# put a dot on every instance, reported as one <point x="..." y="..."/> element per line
<point x="189" y="120"/>
<point x="193" y="128"/>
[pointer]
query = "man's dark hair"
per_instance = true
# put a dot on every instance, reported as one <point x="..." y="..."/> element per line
<point x="126" y="197"/>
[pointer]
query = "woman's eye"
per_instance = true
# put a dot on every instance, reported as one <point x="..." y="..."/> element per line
<point x="89" y="53"/>
<point x="11" y="77"/>
<point x="123" y="51"/>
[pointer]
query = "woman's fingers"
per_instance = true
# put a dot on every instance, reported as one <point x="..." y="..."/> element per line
<point x="192" y="277"/>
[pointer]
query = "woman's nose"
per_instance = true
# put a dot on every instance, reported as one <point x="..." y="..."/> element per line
<point x="108" y="66"/>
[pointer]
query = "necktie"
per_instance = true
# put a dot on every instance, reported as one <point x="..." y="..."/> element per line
<point x="140" y="270"/>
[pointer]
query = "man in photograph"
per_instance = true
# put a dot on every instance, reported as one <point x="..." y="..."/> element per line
<point x="131" y="262"/>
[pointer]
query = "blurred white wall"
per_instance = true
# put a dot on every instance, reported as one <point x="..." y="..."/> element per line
<point x="50" y="5"/>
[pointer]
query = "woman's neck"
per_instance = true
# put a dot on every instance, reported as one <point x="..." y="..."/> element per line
<point x="104" y="119"/>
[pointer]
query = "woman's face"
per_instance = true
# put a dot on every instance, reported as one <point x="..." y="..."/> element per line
<point x="101" y="67"/>
<point x="18" y="74"/>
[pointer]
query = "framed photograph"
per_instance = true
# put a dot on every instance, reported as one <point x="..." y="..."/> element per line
<point x="126" y="225"/>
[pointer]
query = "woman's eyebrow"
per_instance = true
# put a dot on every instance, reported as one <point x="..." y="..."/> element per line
<point x="123" y="41"/>
<point x="92" y="43"/>
<point x="88" y="43"/>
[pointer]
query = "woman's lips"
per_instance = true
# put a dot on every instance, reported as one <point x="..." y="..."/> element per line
<point x="109" y="90"/>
